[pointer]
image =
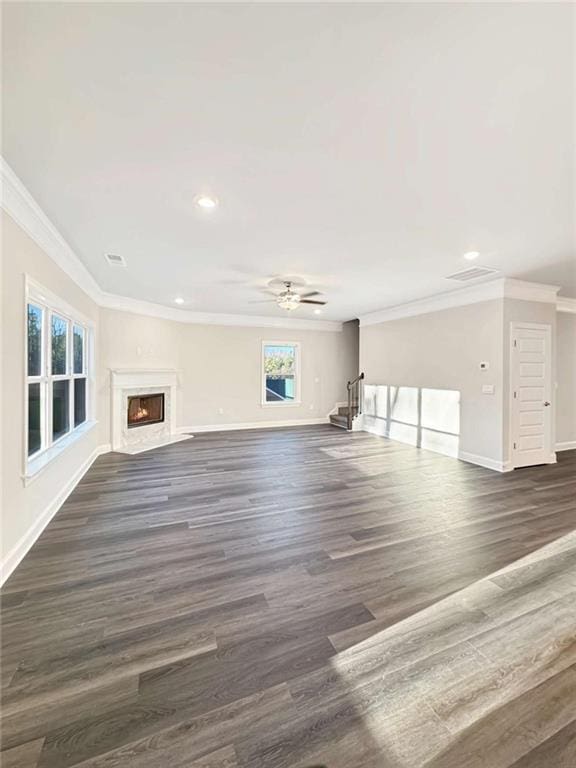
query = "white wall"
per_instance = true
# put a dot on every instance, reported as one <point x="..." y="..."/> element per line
<point x="25" y="507"/>
<point x="442" y="351"/>
<point x="566" y="380"/>
<point x="221" y="367"/>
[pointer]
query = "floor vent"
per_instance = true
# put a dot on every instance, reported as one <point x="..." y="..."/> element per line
<point x="473" y="273"/>
<point x="114" y="260"/>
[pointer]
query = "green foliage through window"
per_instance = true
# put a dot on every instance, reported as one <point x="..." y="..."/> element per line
<point x="34" y="340"/>
<point x="59" y="340"/>
<point x="279" y="361"/>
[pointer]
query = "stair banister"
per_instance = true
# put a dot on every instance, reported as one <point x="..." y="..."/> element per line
<point x="356" y="387"/>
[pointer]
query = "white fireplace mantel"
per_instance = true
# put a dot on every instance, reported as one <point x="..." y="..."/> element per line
<point x="125" y="378"/>
<point x="125" y="382"/>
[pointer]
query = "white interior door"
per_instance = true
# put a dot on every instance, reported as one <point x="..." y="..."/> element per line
<point x="531" y="397"/>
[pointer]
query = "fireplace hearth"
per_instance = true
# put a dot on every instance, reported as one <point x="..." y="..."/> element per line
<point x="145" y="409"/>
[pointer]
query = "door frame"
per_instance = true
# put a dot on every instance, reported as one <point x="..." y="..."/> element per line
<point x="513" y="374"/>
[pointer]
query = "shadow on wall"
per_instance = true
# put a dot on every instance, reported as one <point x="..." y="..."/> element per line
<point x="426" y="418"/>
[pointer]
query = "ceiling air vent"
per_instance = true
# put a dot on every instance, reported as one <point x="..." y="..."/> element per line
<point x="114" y="260"/>
<point x="472" y="273"/>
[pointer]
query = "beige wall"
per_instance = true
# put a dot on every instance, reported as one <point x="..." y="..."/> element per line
<point x="221" y="367"/>
<point x="24" y="506"/>
<point x="566" y="378"/>
<point x="443" y="351"/>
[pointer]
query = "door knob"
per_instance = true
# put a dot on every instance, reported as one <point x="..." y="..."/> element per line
<point x="546" y="403"/>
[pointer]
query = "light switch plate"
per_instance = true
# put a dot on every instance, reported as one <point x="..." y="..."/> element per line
<point x="487" y="389"/>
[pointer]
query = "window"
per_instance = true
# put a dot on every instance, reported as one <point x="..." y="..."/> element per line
<point x="57" y="385"/>
<point x="280" y="373"/>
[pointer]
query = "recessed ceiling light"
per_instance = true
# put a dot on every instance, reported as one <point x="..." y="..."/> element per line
<point x="471" y="255"/>
<point x="178" y="300"/>
<point x="317" y="311"/>
<point x="206" y="202"/>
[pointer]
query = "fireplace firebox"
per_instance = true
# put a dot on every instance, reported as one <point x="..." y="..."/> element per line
<point x="145" y="409"/>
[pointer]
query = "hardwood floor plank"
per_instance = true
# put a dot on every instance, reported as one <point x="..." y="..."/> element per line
<point x="511" y="732"/>
<point x="558" y="751"/>
<point x="295" y="597"/>
<point x="22" y="756"/>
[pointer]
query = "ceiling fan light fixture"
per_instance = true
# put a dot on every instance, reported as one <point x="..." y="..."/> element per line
<point x="289" y="300"/>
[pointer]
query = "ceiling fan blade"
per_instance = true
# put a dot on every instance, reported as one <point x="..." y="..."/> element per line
<point x="307" y="301"/>
<point x="310" y="293"/>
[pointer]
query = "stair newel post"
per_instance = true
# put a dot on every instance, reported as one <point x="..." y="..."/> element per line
<point x="349" y="414"/>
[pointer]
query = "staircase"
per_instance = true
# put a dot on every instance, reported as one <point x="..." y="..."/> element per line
<point x="340" y="419"/>
<point x="344" y="418"/>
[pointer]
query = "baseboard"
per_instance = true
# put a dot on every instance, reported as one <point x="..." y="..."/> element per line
<point x="379" y="428"/>
<point x="252" y="425"/>
<point x="570" y="445"/>
<point x="21" y="548"/>
<point x="485" y="461"/>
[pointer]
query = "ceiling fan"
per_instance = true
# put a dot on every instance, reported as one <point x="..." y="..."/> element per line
<point x="289" y="299"/>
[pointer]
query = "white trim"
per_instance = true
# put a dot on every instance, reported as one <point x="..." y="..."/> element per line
<point x="139" y="307"/>
<point x="21" y="548"/>
<point x="569" y="445"/>
<point x="527" y="291"/>
<point x="485" y="461"/>
<point x="253" y="425"/>
<point x="565" y="304"/>
<point x="501" y="288"/>
<point x="39" y="461"/>
<point x="52" y="305"/>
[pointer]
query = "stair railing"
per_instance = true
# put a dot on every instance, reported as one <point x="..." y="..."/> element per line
<point x="355" y="397"/>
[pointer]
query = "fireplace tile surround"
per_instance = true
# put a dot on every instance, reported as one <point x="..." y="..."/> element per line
<point x="125" y="383"/>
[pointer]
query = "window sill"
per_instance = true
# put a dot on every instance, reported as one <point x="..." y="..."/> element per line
<point x="280" y="404"/>
<point x="37" y="464"/>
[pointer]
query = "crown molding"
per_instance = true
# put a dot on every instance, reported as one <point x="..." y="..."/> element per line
<point x="139" y="307"/>
<point x="565" y="304"/>
<point x="472" y="294"/>
<point x="21" y="206"/>
<point x="527" y="291"/>
<point x="499" y="288"/>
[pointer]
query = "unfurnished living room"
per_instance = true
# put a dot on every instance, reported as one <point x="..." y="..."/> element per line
<point x="288" y="455"/>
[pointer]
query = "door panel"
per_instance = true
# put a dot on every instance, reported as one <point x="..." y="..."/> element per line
<point x="531" y="378"/>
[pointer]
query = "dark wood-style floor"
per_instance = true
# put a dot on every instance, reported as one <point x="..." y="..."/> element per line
<point x="299" y="597"/>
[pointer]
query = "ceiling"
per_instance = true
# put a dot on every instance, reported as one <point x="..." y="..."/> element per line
<point x="363" y="148"/>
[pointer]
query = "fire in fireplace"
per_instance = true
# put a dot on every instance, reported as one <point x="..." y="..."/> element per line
<point x="145" y="409"/>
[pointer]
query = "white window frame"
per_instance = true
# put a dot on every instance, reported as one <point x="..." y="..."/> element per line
<point x="51" y="305"/>
<point x="297" y="375"/>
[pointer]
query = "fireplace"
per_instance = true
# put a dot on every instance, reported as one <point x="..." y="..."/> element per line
<point x="145" y="409"/>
